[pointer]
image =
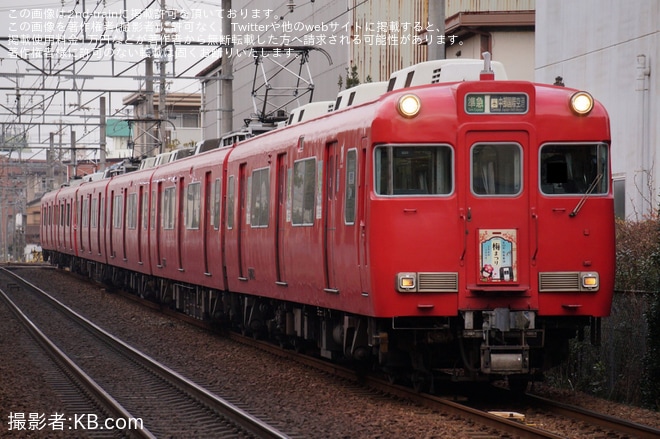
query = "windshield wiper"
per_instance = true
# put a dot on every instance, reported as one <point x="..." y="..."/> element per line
<point x="591" y="188"/>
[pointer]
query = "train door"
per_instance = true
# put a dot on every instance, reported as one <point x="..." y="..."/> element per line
<point x="111" y="226"/>
<point x="362" y="200"/>
<point x="496" y="214"/>
<point x="96" y="222"/>
<point x="331" y="216"/>
<point x="181" y="198"/>
<point x="208" y="221"/>
<point x="280" y="218"/>
<point x="156" y="221"/>
<point x="140" y="220"/>
<point x="242" y="205"/>
<point x="125" y="221"/>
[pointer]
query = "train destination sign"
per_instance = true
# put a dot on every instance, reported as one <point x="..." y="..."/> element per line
<point x="496" y="103"/>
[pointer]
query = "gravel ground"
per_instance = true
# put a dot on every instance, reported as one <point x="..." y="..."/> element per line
<point x="299" y="400"/>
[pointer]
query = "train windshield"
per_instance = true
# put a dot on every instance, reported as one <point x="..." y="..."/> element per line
<point x="496" y="169"/>
<point x="573" y="169"/>
<point x="404" y="170"/>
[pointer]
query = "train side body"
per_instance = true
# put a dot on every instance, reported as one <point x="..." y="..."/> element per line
<point x="290" y="236"/>
<point x="186" y="234"/>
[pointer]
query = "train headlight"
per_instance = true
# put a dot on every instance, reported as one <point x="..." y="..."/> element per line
<point x="409" y="105"/>
<point x="406" y="282"/>
<point x="590" y="281"/>
<point x="582" y="103"/>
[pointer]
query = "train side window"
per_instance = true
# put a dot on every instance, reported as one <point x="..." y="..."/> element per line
<point x="259" y="196"/>
<point x="215" y="204"/>
<point x="303" y="192"/>
<point x="153" y="210"/>
<point x="94" y="218"/>
<point x="496" y="169"/>
<point x="117" y="212"/>
<point x="193" y="197"/>
<point x="85" y="212"/>
<point x="409" y="170"/>
<point x="231" y="197"/>
<point x="573" y="169"/>
<point x="169" y="207"/>
<point x="131" y="211"/>
<point x="351" y="186"/>
<point x="145" y="210"/>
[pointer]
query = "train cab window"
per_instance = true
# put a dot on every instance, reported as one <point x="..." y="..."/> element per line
<point x="496" y="169"/>
<point x="259" y="196"/>
<point x="573" y="169"/>
<point x="193" y="203"/>
<point x="406" y="170"/>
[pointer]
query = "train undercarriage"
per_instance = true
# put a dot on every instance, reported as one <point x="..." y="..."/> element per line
<point x="422" y="352"/>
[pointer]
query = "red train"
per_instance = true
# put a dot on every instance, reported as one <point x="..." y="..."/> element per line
<point x="461" y="229"/>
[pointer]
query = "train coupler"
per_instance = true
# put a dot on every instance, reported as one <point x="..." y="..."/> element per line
<point x="504" y="360"/>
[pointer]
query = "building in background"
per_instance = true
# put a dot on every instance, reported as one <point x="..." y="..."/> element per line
<point x="611" y="49"/>
<point x="361" y="41"/>
<point x="181" y="122"/>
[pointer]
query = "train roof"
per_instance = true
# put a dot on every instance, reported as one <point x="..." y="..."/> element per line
<point x="442" y="71"/>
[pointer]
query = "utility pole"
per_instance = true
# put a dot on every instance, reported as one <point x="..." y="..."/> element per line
<point x="74" y="161"/>
<point x="436" y="17"/>
<point x="102" y="133"/>
<point x="143" y="148"/>
<point x="162" y="111"/>
<point x="50" y="163"/>
<point x="226" y="74"/>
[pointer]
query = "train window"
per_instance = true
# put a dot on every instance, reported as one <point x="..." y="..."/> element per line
<point x="259" y="196"/>
<point x="153" y="210"/>
<point x="574" y="169"/>
<point x="303" y="192"/>
<point x="351" y="186"/>
<point x="94" y="218"/>
<point x="169" y="207"/>
<point x="117" y="212"/>
<point x="406" y="170"/>
<point x="145" y="209"/>
<point x="230" y="202"/>
<point x="85" y="212"/>
<point x="496" y="169"/>
<point x="193" y="198"/>
<point x="215" y="204"/>
<point x="131" y="211"/>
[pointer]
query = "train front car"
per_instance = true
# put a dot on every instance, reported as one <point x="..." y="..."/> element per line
<point x="490" y="227"/>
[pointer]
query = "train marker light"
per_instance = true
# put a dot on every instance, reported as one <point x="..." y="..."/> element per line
<point x="409" y="105"/>
<point x="406" y="282"/>
<point x="590" y="281"/>
<point x="582" y="103"/>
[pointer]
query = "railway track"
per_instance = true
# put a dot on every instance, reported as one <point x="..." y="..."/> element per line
<point x="582" y="422"/>
<point x="135" y="392"/>
<point x="617" y="427"/>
